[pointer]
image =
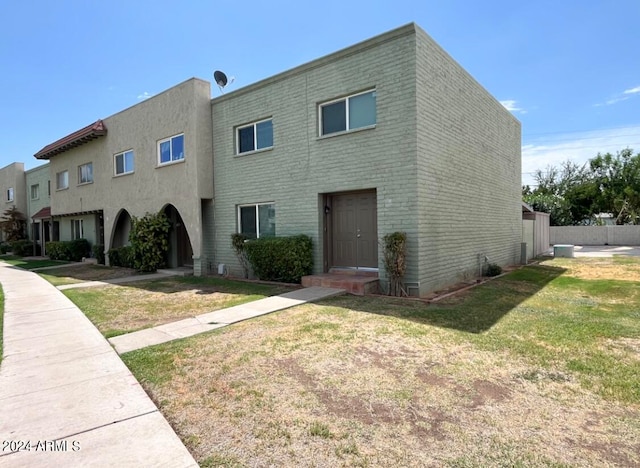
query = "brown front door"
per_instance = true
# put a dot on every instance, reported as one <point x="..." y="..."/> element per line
<point x="354" y="236"/>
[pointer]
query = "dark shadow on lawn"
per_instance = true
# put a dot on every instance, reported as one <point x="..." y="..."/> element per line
<point x="474" y="311"/>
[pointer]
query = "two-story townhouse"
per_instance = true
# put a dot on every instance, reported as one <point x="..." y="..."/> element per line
<point x="387" y="135"/>
<point x="154" y="156"/>
<point x="38" y="195"/>
<point x="12" y="190"/>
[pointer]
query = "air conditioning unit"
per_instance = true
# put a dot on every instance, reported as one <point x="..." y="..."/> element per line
<point x="221" y="268"/>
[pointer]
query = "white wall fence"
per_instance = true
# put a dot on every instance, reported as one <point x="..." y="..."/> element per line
<point x="595" y="235"/>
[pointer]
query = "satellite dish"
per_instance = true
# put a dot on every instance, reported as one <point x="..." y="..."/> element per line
<point x="221" y="78"/>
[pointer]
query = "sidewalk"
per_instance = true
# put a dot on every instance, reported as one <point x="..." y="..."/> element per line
<point x="219" y="318"/>
<point x="66" y="398"/>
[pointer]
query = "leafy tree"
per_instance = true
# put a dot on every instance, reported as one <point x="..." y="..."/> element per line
<point x="13" y="224"/>
<point x="149" y="238"/>
<point x="574" y="194"/>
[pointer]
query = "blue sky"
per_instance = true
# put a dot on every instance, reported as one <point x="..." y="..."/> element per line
<point x="568" y="70"/>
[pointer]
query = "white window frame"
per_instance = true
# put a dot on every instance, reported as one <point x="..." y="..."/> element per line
<point x="58" y="186"/>
<point x="256" y="205"/>
<point x="37" y="191"/>
<point x="74" y="230"/>
<point x="172" y="160"/>
<point x="255" y="136"/>
<point x="80" y="182"/>
<point x="115" y="165"/>
<point x="10" y="194"/>
<point x="346" y="99"/>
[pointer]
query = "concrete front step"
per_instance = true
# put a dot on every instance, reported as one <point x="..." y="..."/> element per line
<point x="354" y="272"/>
<point x="358" y="285"/>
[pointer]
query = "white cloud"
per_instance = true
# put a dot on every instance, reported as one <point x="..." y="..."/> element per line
<point x="541" y="152"/>
<point x="623" y="96"/>
<point x="144" y="96"/>
<point x="511" y="106"/>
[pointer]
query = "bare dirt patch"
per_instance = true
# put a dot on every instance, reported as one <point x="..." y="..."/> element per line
<point x="88" y="272"/>
<point x="263" y="393"/>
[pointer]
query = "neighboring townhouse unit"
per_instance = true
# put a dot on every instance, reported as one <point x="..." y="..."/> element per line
<point x="387" y="135"/>
<point x="38" y="195"/>
<point x="154" y="156"/>
<point x="12" y="185"/>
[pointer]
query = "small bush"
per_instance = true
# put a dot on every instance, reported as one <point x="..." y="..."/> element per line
<point x="79" y="249"/>
<point x="4" y="248"/>
<point x="98" y="253"/>
<point x="58" y="250"/>
<point x="122" y="257"/>
<point x="493" y="269"/>
<point x="24" y="248"/>
<point x="73" y="250"/>
<point x="284" y="259"/>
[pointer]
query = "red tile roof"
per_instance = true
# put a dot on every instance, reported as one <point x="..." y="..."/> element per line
<point x="82" y="136"/>
<point x="43" y="213"/>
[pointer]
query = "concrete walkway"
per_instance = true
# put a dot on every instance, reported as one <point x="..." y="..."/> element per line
<point x="66" y="398"/>
<point x="219" y="318"/>
<point x="124" y="279"/>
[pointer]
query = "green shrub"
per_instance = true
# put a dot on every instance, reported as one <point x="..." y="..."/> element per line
<point x="122" y="257"/>
<point x="285" y="259"/>
<point x="395" y="261"/>
<point x="149" y="238"/>
<point x="493" y="269"/>
<point x="79" y="249"/>
<point x="98" y="253"/>
<point x="4" y="248"/>
<point x="23" y="248"/>
<point x="58" y="250"/>
<point x="73" y="250"/>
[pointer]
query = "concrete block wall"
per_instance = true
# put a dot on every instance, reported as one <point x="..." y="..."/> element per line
<point x="595" y="235"/>
<point x="302" y="165"/>
<point x="469" y="166"/>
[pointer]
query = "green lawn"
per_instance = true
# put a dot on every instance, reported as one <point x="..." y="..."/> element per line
<point x="129" y="307"/>
<point x="29" y="264"/>
<point x="540" y="367"/>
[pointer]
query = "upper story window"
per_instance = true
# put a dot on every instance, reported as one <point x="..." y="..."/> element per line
<point x="349" y="113"/>
<point x="35" y="191"/>
<point x="257" y="220"/>
<point x="255" y="136"/>
<point x="171" y="149"/>
<point x="49" y="187"/>
<point x="62" y="180"/>
<point x="85" y="174"/>
<point x="123" y="163"/>
<point x="10" y="194"/>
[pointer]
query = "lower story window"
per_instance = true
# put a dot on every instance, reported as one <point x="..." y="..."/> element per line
<point x="77" y="229"/>
<point x="257" y="220"/>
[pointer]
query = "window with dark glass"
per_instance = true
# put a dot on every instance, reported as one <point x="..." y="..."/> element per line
<point x="255" y="136"/>
<point x="350" y="113"/>
<point x="257" y="220"/>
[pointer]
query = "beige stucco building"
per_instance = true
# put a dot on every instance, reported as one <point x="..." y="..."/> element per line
<point x="12" y="186"/>
<point x="154" y="156"/>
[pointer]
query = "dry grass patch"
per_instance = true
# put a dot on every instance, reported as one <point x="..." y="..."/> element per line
<point x="81" y="273"/>
<point x="600" y="268"/>
<point x="118" y="309"/>
<point x="532" y="369"/>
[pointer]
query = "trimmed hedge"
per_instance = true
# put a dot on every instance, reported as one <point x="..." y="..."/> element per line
<point x="24" y="248"/>
<point x="122" y="257"/>
<point x="73" y="250"/>
<point x="4" y="248"/>
<point x="284" y="259"/>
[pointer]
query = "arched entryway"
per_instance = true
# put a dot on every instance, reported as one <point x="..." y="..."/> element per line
<point x="121" y="230"/>
<point x="180" y="252"/>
